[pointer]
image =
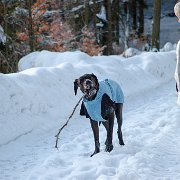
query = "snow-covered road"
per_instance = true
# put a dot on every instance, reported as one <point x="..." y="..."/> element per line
<point x="151" y="134"/>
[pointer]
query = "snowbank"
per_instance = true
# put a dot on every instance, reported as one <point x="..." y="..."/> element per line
<point x="44" y="87"/>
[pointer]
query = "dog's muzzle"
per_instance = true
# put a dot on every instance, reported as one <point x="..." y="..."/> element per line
<point x="89" y="88"/>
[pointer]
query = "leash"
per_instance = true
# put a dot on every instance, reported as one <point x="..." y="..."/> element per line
<point x="57" y="135"/>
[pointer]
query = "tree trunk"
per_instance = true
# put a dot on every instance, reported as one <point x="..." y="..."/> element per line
<point x="126" y="43"/>
<point x="141" y="17"/>
<point x="94" y="17"/>
<point x="115" y="15"/>
<point x="61" y="6"/>
<point x="86" y="13"/>
<point x="109" y="50"/>
<point x="30" y="27"/>
<point x="156" y="24"/>
<point x="6" y="27"/>
<point x="134" y="15"/>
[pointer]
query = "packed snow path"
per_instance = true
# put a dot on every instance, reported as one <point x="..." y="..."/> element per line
<point x="152" y="142"/>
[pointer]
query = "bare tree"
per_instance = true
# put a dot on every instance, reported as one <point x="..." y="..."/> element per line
<point x="109" y="49"/>
<point x="86" y="13"/>
<point x="94" y="9"/>
<point x="30" y="26"/>
<point x="115" y="20"/>
<point x="156" y="24"/>
<point x="126" y="7"/>
<point x="141" y="6"/>
<point x="134" y="15"/>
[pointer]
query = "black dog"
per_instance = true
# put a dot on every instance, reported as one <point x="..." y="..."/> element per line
<point x="101" y="100"/>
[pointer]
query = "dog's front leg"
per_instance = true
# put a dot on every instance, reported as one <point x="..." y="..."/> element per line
<point x="106" y="125"/>
<point x="118" y="112"/>
<point x="95" y="129"/>
<point x="109" y="128"/>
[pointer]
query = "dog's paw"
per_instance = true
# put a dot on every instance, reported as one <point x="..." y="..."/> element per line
<point x="121" y="143"/>
<point x="109" y="148"/>
<point x="97" y="148"/>
<point x="95" y="152"/>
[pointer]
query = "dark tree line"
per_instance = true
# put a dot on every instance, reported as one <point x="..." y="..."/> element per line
<point x="95" y="27"/>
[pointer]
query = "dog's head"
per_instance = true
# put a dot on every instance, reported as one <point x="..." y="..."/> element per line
<point x="88" y="84"/>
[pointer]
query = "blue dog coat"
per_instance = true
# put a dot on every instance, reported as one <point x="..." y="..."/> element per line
<point x="109" y="87"/>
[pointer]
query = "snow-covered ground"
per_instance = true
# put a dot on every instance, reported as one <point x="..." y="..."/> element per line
<point x="38" y="100"/>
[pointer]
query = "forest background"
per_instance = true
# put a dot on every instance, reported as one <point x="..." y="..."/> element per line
<point x="96" y="27"/>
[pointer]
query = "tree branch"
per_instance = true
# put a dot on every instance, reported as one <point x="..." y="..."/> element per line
<point x="57" y="135"/>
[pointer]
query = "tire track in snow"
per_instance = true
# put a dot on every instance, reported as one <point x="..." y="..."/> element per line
<point x="16" y="138"/>
<point x="158" y="129"/>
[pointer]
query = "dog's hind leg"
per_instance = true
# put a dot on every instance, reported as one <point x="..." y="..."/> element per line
<point x="118" y="112"/>
<point x="95" y="129"/>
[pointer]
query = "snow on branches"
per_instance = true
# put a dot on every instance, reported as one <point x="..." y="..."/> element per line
<point x="2" y="35"/>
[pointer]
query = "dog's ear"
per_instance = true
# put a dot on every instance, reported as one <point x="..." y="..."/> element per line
<point x="177" y="87"/>
<point x="76" y="86"/>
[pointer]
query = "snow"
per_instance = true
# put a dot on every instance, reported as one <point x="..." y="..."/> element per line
<point x="37" y="101"/>
<point x="168" y="47"/>
<point x="102" y="14"/>
<point x="2" y="35"/>
<point x="131" y="52"/>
